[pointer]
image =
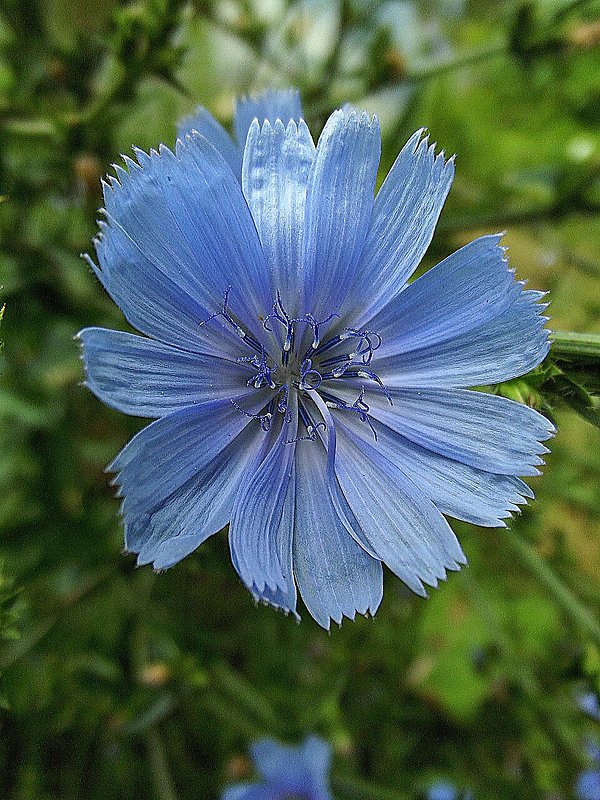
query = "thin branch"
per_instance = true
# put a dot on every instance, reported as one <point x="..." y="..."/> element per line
<point x="561" y="594"/>
<point x="569" y="345"/>
<point x="159" y="768"/>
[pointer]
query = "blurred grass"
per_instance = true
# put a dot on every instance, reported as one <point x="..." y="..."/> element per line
<point x="121" y="684"/>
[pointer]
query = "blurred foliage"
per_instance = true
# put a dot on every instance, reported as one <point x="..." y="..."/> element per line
<point x="117" y="683"/>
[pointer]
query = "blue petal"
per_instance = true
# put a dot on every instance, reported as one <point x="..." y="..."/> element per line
<point x="465" y="290"/>
<point x="153" y="302"/>
<point x="442" y="791"/>
<point x="404" y="217"/>
<point x="338" y="208"/>
<point x="464" y="492"/>
<point x="186" y="215"/>
<point x="505" y="347"/>
<point x="246" y="791"/>
<point x="405" y="529"/>
<point x="277" y="161"/>
<point x="283" y="599"/>
<point x="485" y="431"/>
<point x="150" y="379"/>
<point x="167" y="529"/>
<point x="274" y="104"/>
<point x="335" y="576"/>
<point x="588" y="785"/>
<point x="204" y="122"/>
<point x="317" y="755"/>
<point x="280" y="765"/>
<point x="162" y="457"/>
<point x="255" y="527"/>
<point x="590" y="704"/>
<point x="302" y="769"/>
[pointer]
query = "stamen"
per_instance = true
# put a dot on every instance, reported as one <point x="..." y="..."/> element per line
<point x="282" y="404"/>
<point x="328" y="344"/>
<point x="264" y="370"/>
<point x="312" y="434"/>
<point x="367" y="373"/>
<point x="308" y="375"/>
<point x="312" y="429"/>
<point x="226" y="315"/>
<point x="308" y="318"/>
<point x="366" y="347"/>
<point x="264" y="419"/>
<point x="358" y="406"/>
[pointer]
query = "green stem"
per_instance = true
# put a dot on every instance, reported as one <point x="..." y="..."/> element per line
<point x="518" y="669"/>
<point x="226" y="680"/>
<point x="564" y="598"/>
<point x="569" y="345"/>
<point x="159" y="767"/>
<point x="570" y="6"/>
<point x="512" y="217"/>
<point x="24" y="646"/>
<point x="434" y="67"/>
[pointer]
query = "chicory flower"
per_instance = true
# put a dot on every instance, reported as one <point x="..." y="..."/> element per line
<point x="303" y="391"/>
<point x="289" y="773"/>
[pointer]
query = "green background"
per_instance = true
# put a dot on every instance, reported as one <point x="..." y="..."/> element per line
<point x="117" y="683"/>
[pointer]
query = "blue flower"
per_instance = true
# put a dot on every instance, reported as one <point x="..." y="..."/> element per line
<point x="289" y="773"/>
<point x="589" y="703"/>
<point x="302" y="390"/>
<point x="588" y="782"/>
<point x="442" y="791"/>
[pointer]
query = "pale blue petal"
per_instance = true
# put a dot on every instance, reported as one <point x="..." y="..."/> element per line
<point x="154" y="302"/>
<point x="335" y="576"/>
<point x="162" y="457"/>
<point x="258" y="512"/>
<point x="164" y="530"/>
<point x="151" y="379"/>
<point x="237" y="792"/>
<point x="404" y="217"/>
<point x="464" y="291"/>
<point x="274" y="104"/>
<point x="299" y="770"/>
<point x="507" y="346"/>
<point x="587" y="786"/>
<point x="485" y="431"/>
<point x="282" y="598"/>
<point x="277" y="161"/>
<point x="442" y="791"/>
<point x="204" y="123"/>
<point x="317" y="755"/>
<point x="589" y="702"/>
<point x="280" y="765"/>
<point x="186" y="215"/>
<point x="338" y="208"/>
<point x="461" y="491"/>
<point x="405" y="528"/>
<point x="248" y="791"/>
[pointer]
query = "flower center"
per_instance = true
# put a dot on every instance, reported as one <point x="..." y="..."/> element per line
<point x="304" y="355"/>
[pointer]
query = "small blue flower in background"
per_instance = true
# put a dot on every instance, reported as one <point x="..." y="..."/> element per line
<point x="304" y="392"/>
<point x="590" y="704"/>
<point x="289" y="773"/>
<point x="447" y="791"/>
<point x="588" y="782"/>
<point x="442" y="791"/>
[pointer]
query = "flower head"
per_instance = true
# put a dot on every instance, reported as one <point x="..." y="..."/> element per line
<point x="442" y="791"/>
<point x="304" y="392"/>
<point x="587" y="786"/>
<point x="289" y="773"/>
